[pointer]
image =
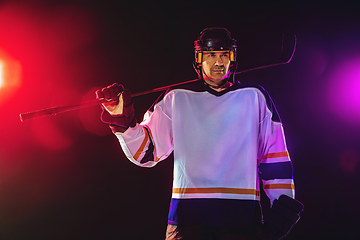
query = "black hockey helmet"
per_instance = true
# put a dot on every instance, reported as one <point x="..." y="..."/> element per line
<point x="215" y="39"/>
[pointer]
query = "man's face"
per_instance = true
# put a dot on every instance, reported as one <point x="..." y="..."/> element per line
<point x="215" y="66"/>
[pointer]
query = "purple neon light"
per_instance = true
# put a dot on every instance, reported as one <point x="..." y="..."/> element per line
<point x="344" y="91"/>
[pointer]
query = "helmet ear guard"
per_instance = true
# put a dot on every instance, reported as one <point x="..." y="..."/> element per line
<point x="232" y="56"/>
<point x="198" y="57"/>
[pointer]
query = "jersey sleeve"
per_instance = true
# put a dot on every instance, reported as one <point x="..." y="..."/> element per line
<point x="275" y="166"/>
<point x="151" y="141"/>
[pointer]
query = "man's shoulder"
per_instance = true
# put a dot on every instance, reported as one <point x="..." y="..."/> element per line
<point x="249" y="86"/>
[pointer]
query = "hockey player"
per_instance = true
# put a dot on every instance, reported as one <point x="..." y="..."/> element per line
<point x="226" y="139"/>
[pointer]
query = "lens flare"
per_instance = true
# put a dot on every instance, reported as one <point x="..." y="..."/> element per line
<point x="1" y="75"/>
<point x="349" y="161"/>
<point x="10" y="75"/>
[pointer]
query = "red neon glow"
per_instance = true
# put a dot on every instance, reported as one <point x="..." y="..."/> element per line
<point x="50" y="135"/>
<point x="90" y="117"/>
<point x="54" y="44"/>
<point x="1" y="74"/>
<point x="47" y="58"/>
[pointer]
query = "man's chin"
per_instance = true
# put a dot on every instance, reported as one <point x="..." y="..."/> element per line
<point x="218" y="77"/>
<point x="218" y="82"/>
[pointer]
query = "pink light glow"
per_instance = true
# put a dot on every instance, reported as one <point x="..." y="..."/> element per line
<point x="344" y="91"/>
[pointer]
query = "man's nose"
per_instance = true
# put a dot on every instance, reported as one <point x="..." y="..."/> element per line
<point x="218" y="61"/>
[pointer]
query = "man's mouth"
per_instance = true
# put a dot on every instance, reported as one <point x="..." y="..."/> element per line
<point x="218" y="70"/>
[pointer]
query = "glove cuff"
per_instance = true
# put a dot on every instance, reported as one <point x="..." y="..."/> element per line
<point x="115" y="129"/>
<point x="121" y="121"/>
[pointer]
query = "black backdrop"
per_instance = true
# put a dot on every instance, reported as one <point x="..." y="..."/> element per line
<point x="65" y="178"/>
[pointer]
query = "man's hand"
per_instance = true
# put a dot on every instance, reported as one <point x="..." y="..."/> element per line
<point x="114" y="95"/>
<point x="119" y="110"/>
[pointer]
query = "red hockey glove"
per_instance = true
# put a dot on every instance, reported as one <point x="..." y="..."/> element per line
<point x="119" y="111"/>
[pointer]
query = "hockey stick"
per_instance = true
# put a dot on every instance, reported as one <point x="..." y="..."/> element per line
<point x="285" y="56"/>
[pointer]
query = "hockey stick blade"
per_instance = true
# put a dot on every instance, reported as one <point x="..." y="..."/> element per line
<point x="287" y="51"/>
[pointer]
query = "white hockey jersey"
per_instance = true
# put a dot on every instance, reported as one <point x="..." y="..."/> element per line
<point x="224" y="144"/>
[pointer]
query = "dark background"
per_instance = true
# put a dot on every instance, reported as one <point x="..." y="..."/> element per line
<point x="65" y="177"/>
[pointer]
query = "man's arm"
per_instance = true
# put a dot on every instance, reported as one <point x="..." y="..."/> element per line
<point x="276" y="172"/>
<point x="144" y="144"/>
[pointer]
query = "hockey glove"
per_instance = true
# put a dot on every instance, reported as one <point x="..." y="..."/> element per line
<point x="119" y="110"/>
<point x="283" y="215"/>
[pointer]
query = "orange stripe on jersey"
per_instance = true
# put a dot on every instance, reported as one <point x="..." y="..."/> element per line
<point x="279" y="186"/>
<point x="216" y="190"/>
<point x="142" y="146"/>
<point x="275" y="155"/>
